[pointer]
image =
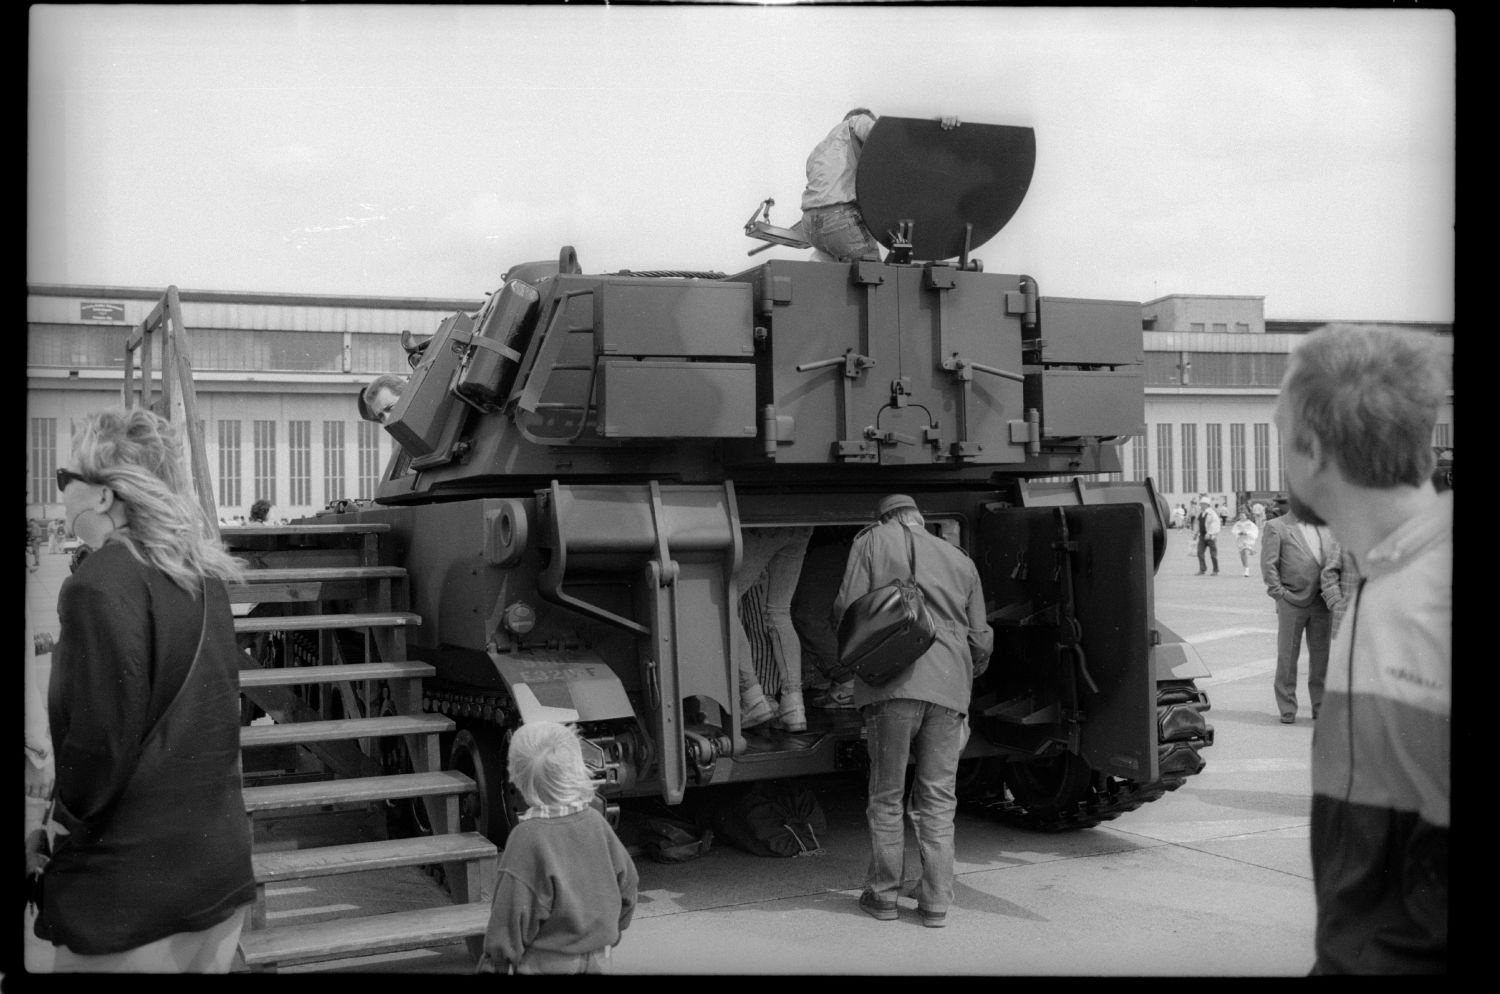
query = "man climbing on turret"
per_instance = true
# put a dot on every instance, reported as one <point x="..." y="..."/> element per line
<point x="831" y="219"/>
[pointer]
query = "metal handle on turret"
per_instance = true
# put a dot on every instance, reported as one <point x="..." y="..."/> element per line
<point x="959" y="364"/>
<point x="852" y="361"/>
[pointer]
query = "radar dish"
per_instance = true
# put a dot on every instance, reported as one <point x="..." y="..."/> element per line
<point x="911" y="169"/>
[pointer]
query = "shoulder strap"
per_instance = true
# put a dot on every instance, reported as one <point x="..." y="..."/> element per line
<point x="911" y="551"/>
<point x="191" y="671"/>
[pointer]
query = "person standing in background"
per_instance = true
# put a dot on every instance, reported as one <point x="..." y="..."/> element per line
<point x="1292" y="554"/>
<point x="1206" y="525"/>
<point x="1245" y="537"/>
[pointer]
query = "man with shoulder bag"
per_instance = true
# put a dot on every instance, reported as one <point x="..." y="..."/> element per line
<point x="920" y="713"/>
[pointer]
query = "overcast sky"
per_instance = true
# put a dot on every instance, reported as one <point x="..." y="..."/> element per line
<point x="1303" y="155"/>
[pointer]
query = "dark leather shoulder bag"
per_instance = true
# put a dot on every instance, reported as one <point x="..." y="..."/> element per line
<point x="888" y="629"/>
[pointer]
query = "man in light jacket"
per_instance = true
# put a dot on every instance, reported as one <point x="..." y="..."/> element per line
<point x="1357" y="410"/>
<point x="1292" y="555"/>
<point x="1206" y="524"/>
<point x="922" y="714"/>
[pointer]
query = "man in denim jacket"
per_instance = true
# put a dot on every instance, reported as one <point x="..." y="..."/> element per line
<point x="830" y="214"/>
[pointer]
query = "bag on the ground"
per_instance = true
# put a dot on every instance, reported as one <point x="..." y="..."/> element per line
<point x="887" y="630"/>
<point x="668" y="840"/>
<point x="773" y="818"/>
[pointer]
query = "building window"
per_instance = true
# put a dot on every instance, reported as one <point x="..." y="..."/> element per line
<point x="1196" y="326"/>
<point x="1262" y="457"/>
<point x="1140" y="464"/>
<point x="1214" y="440"/>
<point x="44" y="461"/>
<point x="300" y="435"/>
<point x="1442" y="435"/>
<point x="1190" y="458"/>
<point x="1237" y="458"/>
<point x="333" y="460"/>
<point x="265" y="461"/>
<point x="1241" y="328"/>
<point x="229" y="464"/>
<point x="1216" y="369"/>
<point x="1221" y="328"/>
<point x="1164" y="475"/>
<point x="369" y="458"/>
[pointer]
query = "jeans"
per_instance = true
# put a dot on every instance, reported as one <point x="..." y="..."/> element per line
<point x="777" y="552"/>
<point x="897" y="730"/>
<point x="1211" y="545"/>
<point x="840" y="231"/>
<point x="1291" y="621"/>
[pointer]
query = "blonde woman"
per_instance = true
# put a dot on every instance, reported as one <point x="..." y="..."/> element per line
<point x="153" y="875"/>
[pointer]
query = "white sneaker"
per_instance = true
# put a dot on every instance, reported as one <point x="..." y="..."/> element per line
<point x="1246" y="573"/>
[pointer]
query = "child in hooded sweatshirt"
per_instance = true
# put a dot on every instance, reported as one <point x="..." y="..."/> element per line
<point x="566" y="887"/>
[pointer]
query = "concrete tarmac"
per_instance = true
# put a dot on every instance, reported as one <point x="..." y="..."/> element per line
<point x="1213" y="879"/>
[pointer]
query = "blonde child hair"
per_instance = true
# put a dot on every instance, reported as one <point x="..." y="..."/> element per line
<point x="546" y="764"/>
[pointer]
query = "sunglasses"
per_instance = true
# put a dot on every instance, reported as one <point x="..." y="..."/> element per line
<point x="67" y="476"/>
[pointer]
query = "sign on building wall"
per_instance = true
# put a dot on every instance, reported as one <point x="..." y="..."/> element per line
<point x="93" y="311"/>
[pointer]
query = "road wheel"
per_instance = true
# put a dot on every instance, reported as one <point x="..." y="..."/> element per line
<point x="405" y="817"/>
<point x="1049" y="788"/>
<point x="978" y="777"/>
<point x="479" y="753"/>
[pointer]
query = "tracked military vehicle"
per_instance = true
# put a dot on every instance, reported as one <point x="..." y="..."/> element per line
<point x="580" y="457"/>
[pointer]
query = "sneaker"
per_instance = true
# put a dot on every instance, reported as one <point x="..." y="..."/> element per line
<point x="757" y="714"/>
<point x="876" y="908"/>
<point x="1288" y="719"/>
<point x="933" y="919"/>
<point x="1246" y="573"/>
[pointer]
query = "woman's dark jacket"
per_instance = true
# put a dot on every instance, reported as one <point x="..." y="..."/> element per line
<point x="148" y="760"/>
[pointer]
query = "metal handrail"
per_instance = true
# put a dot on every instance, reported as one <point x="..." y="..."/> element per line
<point x="178" y="402"/>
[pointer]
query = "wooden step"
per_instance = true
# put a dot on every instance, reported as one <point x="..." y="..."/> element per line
<point x="322" y="573"/>
<point x="344" y="728"/>
<point x="255" y="531"/>
<point x="356" y="791"/>
<point x="299" y="864"/>
<point x="313" y="622"/>
<point x="286" y="945"/>
<point x="300" y="676"/>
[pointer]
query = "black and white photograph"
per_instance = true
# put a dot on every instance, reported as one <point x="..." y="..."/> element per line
<point x="808" y="489"/>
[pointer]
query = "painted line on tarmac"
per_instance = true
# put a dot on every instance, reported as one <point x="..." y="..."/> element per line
<point x="1189" y="832"/>
<point x="1226" y="633"/>
<point x="1211" y="608"/>
<point x="300" y="912"/>
<point x="1266" y="764"/>
<point x="1232" y="673"/>
<point x="279" y="891"/>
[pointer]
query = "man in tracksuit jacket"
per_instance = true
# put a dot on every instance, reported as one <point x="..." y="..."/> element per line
<point x="1358" y="407"/>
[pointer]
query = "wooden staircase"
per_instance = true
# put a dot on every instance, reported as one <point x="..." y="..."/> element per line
<point x="320" y="593"/>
